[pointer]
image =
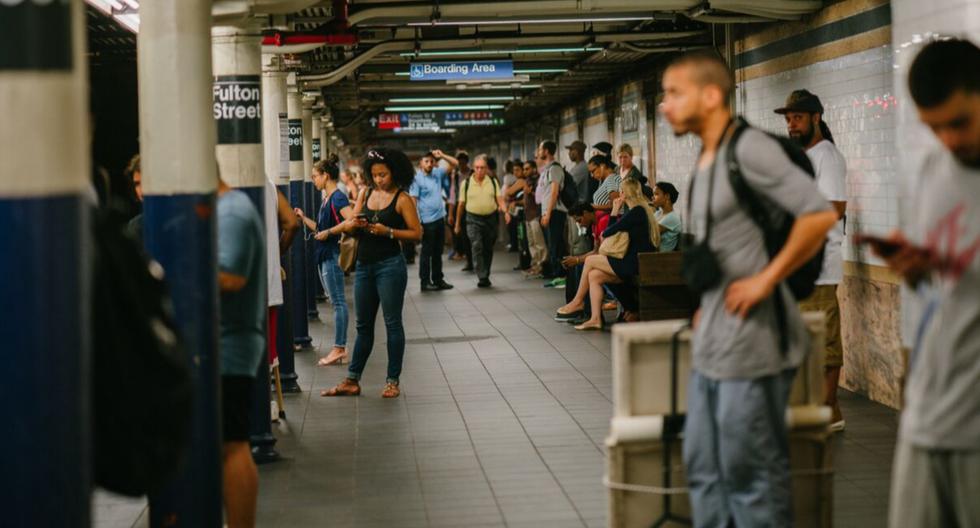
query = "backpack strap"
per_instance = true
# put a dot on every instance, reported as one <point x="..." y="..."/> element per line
<point x="749" y="200"/>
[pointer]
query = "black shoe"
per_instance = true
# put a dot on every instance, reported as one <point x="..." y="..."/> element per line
<point x="467" y="268"/>
<point x="442" y="285"/>
<point x="569" y="316"/>
<point x="428" y="286"/>
<point x="484" y="283"/>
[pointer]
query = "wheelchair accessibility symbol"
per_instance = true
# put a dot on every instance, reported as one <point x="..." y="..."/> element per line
<point x="417" y="72"/>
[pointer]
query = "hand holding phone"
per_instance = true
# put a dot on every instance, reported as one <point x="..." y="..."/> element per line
<point x="884" y="247"/>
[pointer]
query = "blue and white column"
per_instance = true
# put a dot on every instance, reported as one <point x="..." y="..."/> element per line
<point x="276" y="143"/>
<point x="297" y="168"/>
<point x="177" y="133"/>
<point x="311" y="154"/>
<point x="45" y="265"/>
<point x="237" y="97"/>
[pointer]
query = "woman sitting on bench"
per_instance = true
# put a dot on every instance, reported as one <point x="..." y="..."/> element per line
<point x="602" y="269"/>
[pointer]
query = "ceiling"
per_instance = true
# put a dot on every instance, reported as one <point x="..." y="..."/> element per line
<point x="563" y="51"/>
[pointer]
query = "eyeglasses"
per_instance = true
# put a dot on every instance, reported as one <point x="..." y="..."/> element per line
<point x="374" y="154"/>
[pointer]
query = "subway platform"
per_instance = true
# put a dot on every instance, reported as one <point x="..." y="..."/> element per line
<point x="500" y="424"/>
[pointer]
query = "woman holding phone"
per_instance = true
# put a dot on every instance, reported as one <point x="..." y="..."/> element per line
<point x="327" y="228"/>
<point x="384" y="216"/>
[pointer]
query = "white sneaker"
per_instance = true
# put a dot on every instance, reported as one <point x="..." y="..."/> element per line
<point x="837" y="426"/>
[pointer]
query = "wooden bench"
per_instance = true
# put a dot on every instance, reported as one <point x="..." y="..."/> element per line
<point x="661" y="290"/>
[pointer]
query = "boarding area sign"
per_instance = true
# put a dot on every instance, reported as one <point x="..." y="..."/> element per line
<point x="461" y="71"/>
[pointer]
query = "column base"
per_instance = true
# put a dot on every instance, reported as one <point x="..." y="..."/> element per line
<point x="290" y="383"/>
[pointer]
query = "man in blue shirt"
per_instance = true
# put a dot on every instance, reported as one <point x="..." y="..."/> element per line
<point x="430" y="192"/>
<point x="243" y="285"/>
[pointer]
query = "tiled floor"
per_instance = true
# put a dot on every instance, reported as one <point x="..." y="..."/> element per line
<point x="500" y="423"/>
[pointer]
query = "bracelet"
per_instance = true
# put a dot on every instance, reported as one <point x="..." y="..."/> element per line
<point x="391" y="233"/>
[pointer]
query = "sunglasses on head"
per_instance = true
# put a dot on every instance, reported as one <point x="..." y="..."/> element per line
<point x="374" y="154"/>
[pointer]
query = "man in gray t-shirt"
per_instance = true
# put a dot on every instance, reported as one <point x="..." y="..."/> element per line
<point x="937" y="459"/>
<point x="735" y="445"/>
<point x="554" y="214"/>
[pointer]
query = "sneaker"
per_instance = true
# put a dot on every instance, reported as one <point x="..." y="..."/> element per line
<point x="560" y="317"/>
<point x="443" y="285"/>
<point x="484" y="283"/>
<point x="467" y="268"/>
<point x="558" y="282"/>
<point x="428" y="286"/>
<point x="837" y="426"/>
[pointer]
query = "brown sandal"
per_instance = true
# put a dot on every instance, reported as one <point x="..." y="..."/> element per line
<point x="348" y="387"/>
<point x="391" y="391"/>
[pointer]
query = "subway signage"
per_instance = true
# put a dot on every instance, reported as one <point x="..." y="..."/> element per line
<point x="435" y="120"/>
<point x="461" y="71"/>
<point x="237" y="109"/>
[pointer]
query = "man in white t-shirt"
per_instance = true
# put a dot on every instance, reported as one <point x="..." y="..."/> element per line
<point x="804" y="121"/>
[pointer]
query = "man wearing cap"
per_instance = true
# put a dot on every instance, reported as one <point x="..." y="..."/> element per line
<point x="429" y="189"/>
<point x="578" y="241"/>
<point x="804" y="121"/>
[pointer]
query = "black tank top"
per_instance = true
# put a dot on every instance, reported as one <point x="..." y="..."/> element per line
<point x="374" y="248"/>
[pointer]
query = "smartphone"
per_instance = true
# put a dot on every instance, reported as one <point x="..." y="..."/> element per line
<point x="882" y="246"/>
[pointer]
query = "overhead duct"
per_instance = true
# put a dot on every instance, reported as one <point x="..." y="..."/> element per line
<point x="350" y="66"/>
<point x="232" y="12"/>
<point x="477" y="11"/>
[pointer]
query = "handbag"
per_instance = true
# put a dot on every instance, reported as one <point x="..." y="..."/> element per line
<point x="616" y="245"/>
<point x="347" y="259"/>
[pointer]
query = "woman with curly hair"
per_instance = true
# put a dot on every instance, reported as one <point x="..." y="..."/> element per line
<point x="384" y="216"/>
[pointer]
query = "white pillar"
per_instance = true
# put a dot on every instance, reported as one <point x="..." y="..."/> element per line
<point x="177" y="137"/>
<point x="237" y="107"/>
<point x="45" y="250"/>
<point x="274" y="124"/>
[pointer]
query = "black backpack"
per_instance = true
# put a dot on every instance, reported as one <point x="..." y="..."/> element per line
<point x="803" y="281"/>
<point x="141" y="382"/>
<point x="568" y="193"/>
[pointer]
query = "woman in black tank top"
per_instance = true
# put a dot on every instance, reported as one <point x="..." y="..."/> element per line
<point x="383" y="217"/>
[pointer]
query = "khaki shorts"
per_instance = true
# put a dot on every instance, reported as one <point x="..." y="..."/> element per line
<point x="824" y="299"/>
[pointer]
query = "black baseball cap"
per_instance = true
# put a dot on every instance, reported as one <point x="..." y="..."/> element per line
<point x="801" y="101"/>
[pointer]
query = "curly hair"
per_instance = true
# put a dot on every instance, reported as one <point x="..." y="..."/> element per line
<point x="327" y="168"/>
<point x="402" y="171"/>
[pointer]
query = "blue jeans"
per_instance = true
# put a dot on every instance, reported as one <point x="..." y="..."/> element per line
<point x="379" y="284"/>
<point x="332" y="278"/>
<point x="736" y="451"/>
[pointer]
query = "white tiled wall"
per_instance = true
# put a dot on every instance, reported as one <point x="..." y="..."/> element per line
<point x="856" y="91"/>
<point x="676" y="158"/>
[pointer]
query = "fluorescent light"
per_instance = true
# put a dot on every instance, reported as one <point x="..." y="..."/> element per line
<point x="516" y="72"/>
<point x="542" y="70"/>
<point x="530" y="21"/>
<point x="130" y="22"/>
<point x="451" y="99"/>
<point x="515" y="51"/>
<point x="442" y="108"/>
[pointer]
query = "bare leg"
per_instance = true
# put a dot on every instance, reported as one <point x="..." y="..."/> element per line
<point x="592" y="262"/>
<point x="831" y="380"/>
<point x="597" y="278"/>
<point x="241" y="485"/>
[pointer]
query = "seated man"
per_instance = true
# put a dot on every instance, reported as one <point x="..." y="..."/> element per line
<point x="584" y="216"/>
<point x="664" y="197"/>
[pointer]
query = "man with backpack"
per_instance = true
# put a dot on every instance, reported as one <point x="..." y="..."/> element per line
<point x="480" y="199"/>
<point x="554" y="213"/>
<point x="749" y="337"/>
<point x="804" y="121"/>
